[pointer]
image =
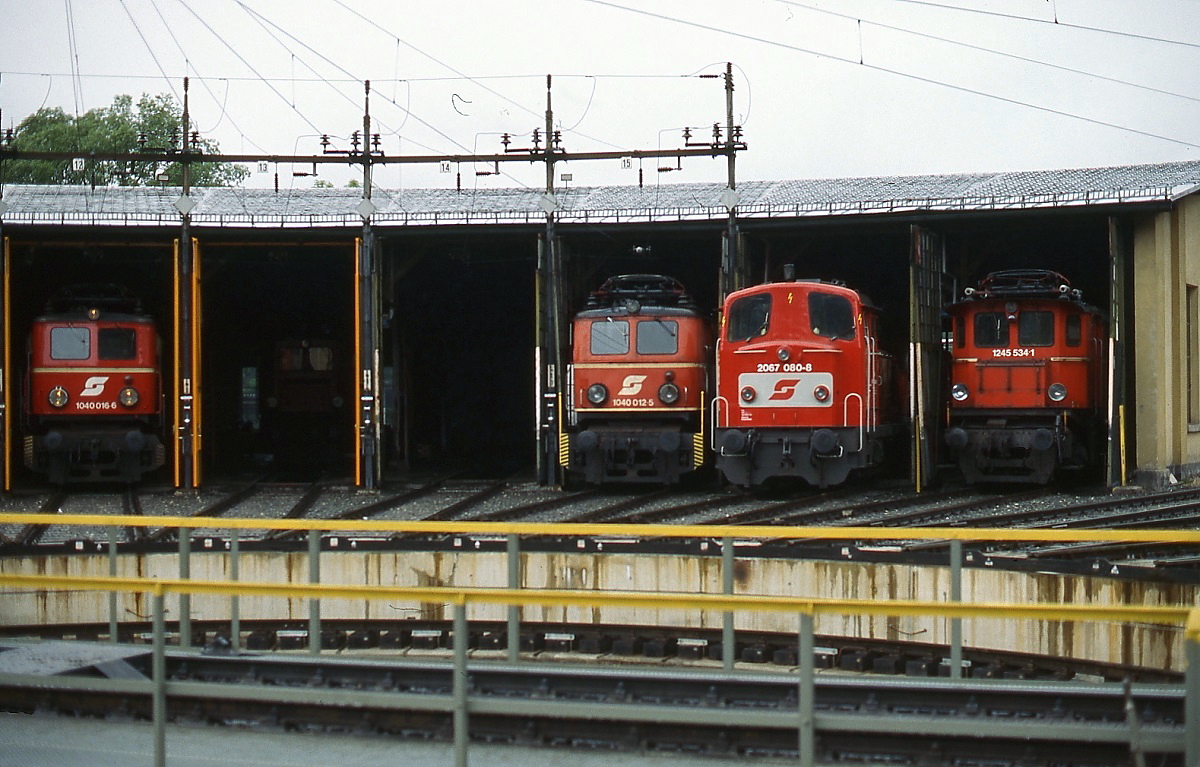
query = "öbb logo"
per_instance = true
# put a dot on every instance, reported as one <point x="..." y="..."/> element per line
<point x="784" y="389"/>
<point x="631" y="385"/>
<point x="94" y="386"/>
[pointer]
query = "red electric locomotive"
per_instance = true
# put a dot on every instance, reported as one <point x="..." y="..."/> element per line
<point x="637" y="384"/>
<point x="1027" y="378"/>
<point x="803" y="389"/>
<point x="93" y="397"/>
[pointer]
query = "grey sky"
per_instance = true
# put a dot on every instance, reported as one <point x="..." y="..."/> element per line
<point x="823" y="88"/>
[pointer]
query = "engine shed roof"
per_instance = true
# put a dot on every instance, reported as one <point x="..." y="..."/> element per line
<point x="306" y="208"/>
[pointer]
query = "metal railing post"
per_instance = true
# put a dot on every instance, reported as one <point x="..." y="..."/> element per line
<point x="185" y="600"/>
<point x="235" y="621"/>
<point x="806" y="695"/>
<point x="514" y="611"/>
<point x="461" y="733"/>
<point x="956" y="637"/>
<point x="728" y="648"/>
<point x="314" y="604"/>
<point x="159" y="674"/>
<point x="1191" y="701"/>
<point x="113" y="626"/>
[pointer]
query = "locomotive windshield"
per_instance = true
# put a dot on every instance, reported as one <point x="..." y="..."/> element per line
<point x="1074" y="330"/>
<point x="294" y="358"/>
<point x="750" y="317"/>
<point x="991" y="329"/>
<point x="116" y="344"/>
<point x="658" y="337"/>
<point x="68" y="343"/>
<point x="610" y="337"/>
<point x="1035" y="329"/>
<point x="831" y="316"/>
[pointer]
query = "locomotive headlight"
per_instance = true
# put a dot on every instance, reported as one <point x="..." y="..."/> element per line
<point x="959" y="392"/>
<point x="129" y="396"/>
<point x="668" y="393"/>
<point x="1057" y="392"/>
<point x="821" y="393"/>
<point x="597" y="393"/>
<point x="58" y="397"/>
<point x="783" y="354"/>
<point x="747" y="394"/>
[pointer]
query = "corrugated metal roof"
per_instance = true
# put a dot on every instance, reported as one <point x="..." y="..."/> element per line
<point x="1130" y="184"/>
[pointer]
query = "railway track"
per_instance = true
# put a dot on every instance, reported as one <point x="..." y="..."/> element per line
<point x="451" y="497"/>
<point x="693" y="712"/>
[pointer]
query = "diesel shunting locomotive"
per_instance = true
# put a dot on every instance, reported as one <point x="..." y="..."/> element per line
<point x="803" y="389"/>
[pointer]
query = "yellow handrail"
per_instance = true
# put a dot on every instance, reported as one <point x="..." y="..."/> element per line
<point x="606" y="530"/>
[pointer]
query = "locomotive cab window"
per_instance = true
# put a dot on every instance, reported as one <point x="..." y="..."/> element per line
<point x="610" y="337"/>
<point x="658" y="337"/>
<point x="1074" y="330"/>
<point x="116" y="344"/>
<point x="1035" y="329"/>
<point x="291" y="358"/>
<point x="991" y="329"/>
<point x="320" y="358"/>
<point x="298" y="358"/>
<point x="68" y="343"/>
<point x="831" y="316"/>
<point x="750" y="317"/>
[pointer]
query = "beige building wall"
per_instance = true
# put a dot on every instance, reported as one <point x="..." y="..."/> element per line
<point x="1141" y="644"/>
<point x="1164" y="345"/>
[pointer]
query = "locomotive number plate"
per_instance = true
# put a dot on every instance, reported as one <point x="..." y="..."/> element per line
<point x="786" y="390"/>
<point x="1013" y="352"/>
<point x="786" y="367"/>
<point x="633" y="402"/>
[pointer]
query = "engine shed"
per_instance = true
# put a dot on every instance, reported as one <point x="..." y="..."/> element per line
<point x="305" y="333"/>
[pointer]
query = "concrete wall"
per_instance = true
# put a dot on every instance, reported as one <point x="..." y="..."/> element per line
<point x="1166" y="259"/>
<point x="1141" y="645"/>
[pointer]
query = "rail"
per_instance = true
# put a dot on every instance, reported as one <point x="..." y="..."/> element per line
<point x="1187" y="618"/>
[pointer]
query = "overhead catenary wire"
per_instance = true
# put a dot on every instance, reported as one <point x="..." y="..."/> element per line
<point x="896" y="72"/>
<point x="1056" y="21"/>
<point x="478" y="80"/>
<point x="984" y="49"/>
<point x="248" y="65"/>
<point x="263" y="21"/>
<point x="73" y="54"/>
<point x="203" y="81"/>
<point x="150" y="49"/>
<point x="78" y="76"/>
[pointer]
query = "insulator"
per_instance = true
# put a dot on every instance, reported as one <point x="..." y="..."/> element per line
<point x="687" y="134"/>
<point x="324" y="141"/>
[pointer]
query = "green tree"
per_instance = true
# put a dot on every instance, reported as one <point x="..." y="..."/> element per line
<point x="119" y="128"/>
